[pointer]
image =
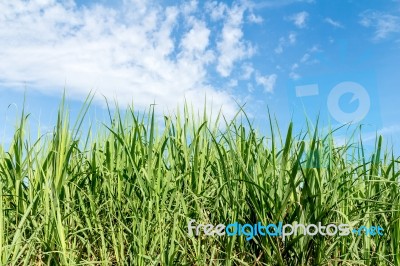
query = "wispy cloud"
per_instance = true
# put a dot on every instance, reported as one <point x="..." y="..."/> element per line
<point x="255" y="19"/>
<point x="129" y="53"/>
<point x="389" y="130"/>
<point x="267" y="81"/>
<point x="247" y="70"/>
<point x="383" y="23"/>
<point x="293" y="74"/>
<point x="284" y="42"/>
<point x="299" y="19"/>
<point x="333" y="23"/>
<point x="292" y="38"/>
<point x="305" y="59"/>
<point x="385" y="131"/>
<point x="279" y="3"/>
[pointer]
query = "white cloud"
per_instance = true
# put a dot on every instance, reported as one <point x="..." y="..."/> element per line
<point x="189" y="7"/>
<point x="283" y="42"/>
<point x="299" y="19"/>
<point x="292" y="38"/>
<point x="384" y="24"/>
<point x="314" y="49"/>
<point x="197" y="39"/>
<point x="216" y="9"/>
<point x="255" y="19"/>
<point x="333" y="23"/>
<point x="231" y="46"/>
<point x="293" y="75"/>
<point x="388" y="132"/>
<point x="305" y="58"/>
<point x="267" y="81"/>
<point x="232" y="83"/>
<point x="250" y="88"/>
<point x="279" y="48"/>
<point x="128" y="54"/>
<point x="280" y="3"/>
<point x="247" y="71"/>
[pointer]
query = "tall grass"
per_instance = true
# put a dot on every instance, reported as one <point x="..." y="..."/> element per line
<point x="124" y="194"/>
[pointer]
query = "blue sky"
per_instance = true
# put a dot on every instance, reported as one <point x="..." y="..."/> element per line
<point x="338" y="59"/>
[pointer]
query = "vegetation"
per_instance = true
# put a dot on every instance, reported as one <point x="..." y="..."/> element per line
<point x="123" y="194"/>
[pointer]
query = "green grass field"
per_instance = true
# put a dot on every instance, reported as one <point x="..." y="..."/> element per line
<point x="124" y="194"/>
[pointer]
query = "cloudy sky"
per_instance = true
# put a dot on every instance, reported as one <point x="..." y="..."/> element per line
<point x="338" y="59"/>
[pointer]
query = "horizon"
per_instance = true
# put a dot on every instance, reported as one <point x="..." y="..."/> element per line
<point x="300" y="59"/>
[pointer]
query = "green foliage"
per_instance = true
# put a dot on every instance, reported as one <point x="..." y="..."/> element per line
<point x="125" y="195"/>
